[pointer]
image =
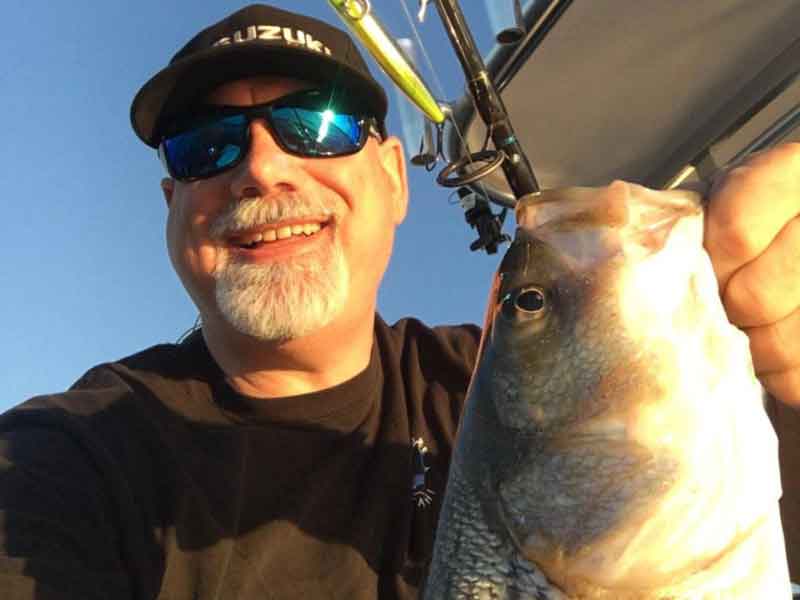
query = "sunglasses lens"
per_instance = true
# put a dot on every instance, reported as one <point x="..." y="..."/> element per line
<point x="207" y="148"/>
<point x="303" y="123"/>
<point x="318" y="132"/>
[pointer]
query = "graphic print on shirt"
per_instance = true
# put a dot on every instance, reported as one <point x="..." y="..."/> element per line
<point x="421" y="494"/>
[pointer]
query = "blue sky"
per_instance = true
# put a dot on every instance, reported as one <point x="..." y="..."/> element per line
<point x="85" y="277"/>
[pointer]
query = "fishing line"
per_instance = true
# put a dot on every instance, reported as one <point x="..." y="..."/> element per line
<point x="437" y="82"/>
<point x="197" y="325"/>
<point x="441" y="92"/>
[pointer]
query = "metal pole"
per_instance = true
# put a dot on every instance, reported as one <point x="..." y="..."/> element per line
<point x="490" y="106"/>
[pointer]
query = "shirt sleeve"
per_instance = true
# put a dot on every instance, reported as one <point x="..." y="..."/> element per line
<point x="58" y="538"/>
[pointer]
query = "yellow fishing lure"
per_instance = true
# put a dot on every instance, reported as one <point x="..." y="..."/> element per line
<point x="359" y="19"/>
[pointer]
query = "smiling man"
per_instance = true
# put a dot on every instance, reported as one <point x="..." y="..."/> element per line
<point x="283" y="242"/>
<point x="296" y="445"/>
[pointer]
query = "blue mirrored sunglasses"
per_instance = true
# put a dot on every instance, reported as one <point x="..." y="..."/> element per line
<point x="312" y="123"/>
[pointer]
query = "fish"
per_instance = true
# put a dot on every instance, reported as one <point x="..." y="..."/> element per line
<point x="614" y="442"/>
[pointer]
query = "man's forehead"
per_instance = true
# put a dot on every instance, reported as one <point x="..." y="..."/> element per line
<point x="255" y="90"/>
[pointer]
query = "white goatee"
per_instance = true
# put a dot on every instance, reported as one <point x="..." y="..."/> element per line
<point x="285" y="299"/>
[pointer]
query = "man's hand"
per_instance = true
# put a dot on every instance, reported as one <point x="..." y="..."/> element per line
<point x="752" y="234"/>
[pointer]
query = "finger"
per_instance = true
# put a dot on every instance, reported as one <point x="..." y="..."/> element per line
<point x="776" y="347"/>
<point x="749" y="205"/>
<point x="784" y="385"/>
<point x="767" y="289"/>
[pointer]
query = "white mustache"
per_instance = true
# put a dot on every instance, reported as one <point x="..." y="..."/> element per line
<point x="258" y="211"/>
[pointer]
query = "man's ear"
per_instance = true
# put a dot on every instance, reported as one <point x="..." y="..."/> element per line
<point x="168" y="188"/>
<point x="393" y="161"/>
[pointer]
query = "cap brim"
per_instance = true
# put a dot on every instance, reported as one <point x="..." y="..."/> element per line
<point x="187" y="81"/>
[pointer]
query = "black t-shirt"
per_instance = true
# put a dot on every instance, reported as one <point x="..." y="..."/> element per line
<point x="152" y="478"/>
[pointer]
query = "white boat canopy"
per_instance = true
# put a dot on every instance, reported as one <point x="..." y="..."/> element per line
<point x="601" y="90"/>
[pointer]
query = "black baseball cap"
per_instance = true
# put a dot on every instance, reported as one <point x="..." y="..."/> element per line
<point x="256" y="40"/>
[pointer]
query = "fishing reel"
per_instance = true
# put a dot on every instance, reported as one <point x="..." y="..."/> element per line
<point x="478" y="214"/>
<point x="477" y="209"/>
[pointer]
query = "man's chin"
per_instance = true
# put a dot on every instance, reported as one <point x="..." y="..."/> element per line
<point x="280" y="318"/>
<point x="279" y="303"/>
<point x="278" y="333"/>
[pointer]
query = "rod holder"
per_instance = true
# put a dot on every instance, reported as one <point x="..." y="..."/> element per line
<point x="516" y="31"/>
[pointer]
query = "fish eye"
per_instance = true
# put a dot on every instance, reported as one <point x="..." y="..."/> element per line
<point x="530" y="300"/>
<point x="524" y="303"/>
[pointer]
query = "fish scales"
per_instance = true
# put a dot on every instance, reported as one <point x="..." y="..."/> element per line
<point x="613" y="443"/>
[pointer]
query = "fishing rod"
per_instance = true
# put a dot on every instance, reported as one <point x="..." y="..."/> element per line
<point x="472" y="166"/>
<point x="490" y="107"/>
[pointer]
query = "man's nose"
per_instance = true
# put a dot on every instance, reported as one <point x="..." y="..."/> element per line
<point x="266" y="167"/>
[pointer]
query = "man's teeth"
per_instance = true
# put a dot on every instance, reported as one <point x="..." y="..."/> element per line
<point x="281" y="233"/>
